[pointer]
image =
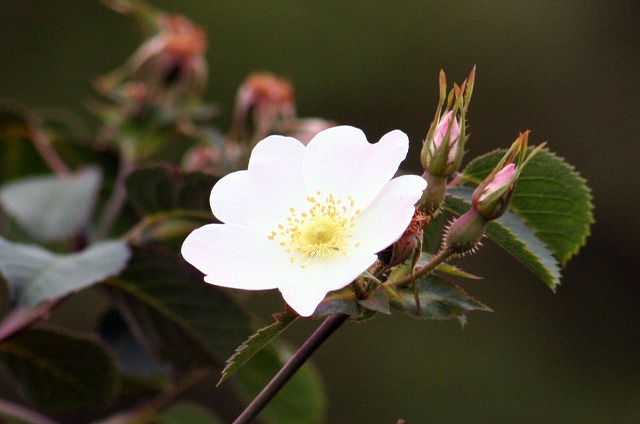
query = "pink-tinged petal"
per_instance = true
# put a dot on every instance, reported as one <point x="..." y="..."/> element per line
<point x="339" y="160"/>
<point x="386" y="218"/>
<point x="306" y="287"/>
<point x="261" y="196"/>
<point x="237" y="257"/>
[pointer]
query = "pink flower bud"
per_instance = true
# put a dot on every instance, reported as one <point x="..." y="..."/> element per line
<point x="500" y="182"/>
<point x="441" y="133"/>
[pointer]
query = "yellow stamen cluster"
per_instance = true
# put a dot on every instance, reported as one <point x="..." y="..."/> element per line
<point x="324" y="229"/>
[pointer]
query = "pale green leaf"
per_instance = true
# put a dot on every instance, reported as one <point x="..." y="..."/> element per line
<point x="60" y="370"/>
<point x="35" y="274"/>
<point x="255" y="343"/>
<point x="52" y="207"/>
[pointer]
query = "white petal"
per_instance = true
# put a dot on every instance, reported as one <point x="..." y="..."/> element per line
<point x="306" y="287"/>
<point x="339" y="160"/>
<point x="237" y="257"/>
<point x="386" y="218"/>
<point x="261" y="196"/>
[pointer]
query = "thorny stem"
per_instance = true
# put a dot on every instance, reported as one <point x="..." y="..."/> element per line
<point x="322" y="333"/>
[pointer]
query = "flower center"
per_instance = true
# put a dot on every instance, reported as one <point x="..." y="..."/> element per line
<point x="323" y="229"/>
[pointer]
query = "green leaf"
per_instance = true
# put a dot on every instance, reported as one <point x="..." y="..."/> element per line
<point x="52" y="208"/>
<point x="301" y="401"/>
<point x="338" y="302"/>
<point x="158" y="189"/>
<point x="35" y="274"/>
<point x="60" y="370"/>
<point x="173" y="312"/>
<point x="439" y="299"/>
<point x="512" y="234"/>
<point x="186" y="412"/>
<point x="255" y="343"/>
<point x="376" y="301"/>
<point x="551" y="197"/>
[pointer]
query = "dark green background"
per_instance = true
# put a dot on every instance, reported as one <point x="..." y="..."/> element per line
<point x="567" y="70"/>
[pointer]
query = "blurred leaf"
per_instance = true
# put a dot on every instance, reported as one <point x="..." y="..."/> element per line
<point x="158" y="189"/>
<point x="439" y="299"/>
<point x="186" y="413"/>
<point x="255" y="343"/>
<point x="551" y="197"/>
<point x="512" y="234"/>
<point x="52" y="207"/>
<point x="173" y="312"/>
<point x="60" y="370"/>
<point x="35" y="274"/>
<point x="301" y="401"/>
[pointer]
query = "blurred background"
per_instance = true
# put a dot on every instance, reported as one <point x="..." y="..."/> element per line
<point x="567" y="70"/>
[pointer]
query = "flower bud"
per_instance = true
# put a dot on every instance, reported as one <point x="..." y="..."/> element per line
<point x="491" y="198"/>
<point x="443" y="147"/>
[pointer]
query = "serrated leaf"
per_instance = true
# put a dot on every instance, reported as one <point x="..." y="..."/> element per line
<point x="174" y="313"/>
<point x="512" y="234"/>
<point x="255" y="343"/>
<point x="52" y="368"/>
<point x="35" y="274"/>
<point x="551" y="197"/>
<point x="439" y="299"/>
<point x="156" y="189"/>
<point x="186" y="412"/>
<point x="301" y="401"/>
<point x="52" y="208"/>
